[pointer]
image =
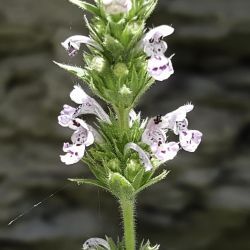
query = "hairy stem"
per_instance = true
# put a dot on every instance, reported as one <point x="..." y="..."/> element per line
<point x="128" y="209"/>
<point x="123" y="117"/>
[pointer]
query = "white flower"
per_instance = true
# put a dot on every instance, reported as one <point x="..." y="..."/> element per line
<point x="165" y="151"/>
<point x="153" y="41"/>
<point x="114" y="7"/>
<point x="142" y="155"/>
<point x="95" y="243"/>
<point x="66" y="116"/>
<point x="73" y="43"/>
<point x="81" y="138"/>
<point x="160" y="67"/>
<point x="88" y="105"/>
<point x="190" y="140"/>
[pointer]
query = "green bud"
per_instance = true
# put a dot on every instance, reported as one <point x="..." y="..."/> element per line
<point x="133" y="167"/>
<point x="134" y="27"/>
<point x="120" y="186"/>
<point x="120" y="70"/>
<point x="114" y="165"/>
<point x="124" y="90"/>
<point x="98" y="64"/>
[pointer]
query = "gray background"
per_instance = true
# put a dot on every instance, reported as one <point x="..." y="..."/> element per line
<point x="203" y="205"/>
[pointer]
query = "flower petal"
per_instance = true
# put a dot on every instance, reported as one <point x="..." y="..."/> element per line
<point x="160" y="68"/>
<point x="66" y="116"/>
<point x="78" y="95"/>
<point x="154" y="136"/>
<point x="154" y="49"/>
<point x="169" y="121"/>
<point x="73" y="153"/>
<point x="82" y="135"/>
<point x="166" y="151"/>
<point x="190" y="140"/>
<point x="142" y="155"/>
<point x="159" y="32"/>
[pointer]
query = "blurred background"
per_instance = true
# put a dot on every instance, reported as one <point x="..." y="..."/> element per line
<point x="205" y="202"/>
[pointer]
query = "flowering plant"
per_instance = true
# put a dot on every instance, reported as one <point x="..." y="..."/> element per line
<point x="123" y="151"/>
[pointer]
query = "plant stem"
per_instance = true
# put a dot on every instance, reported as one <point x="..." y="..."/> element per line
<point x="128" y="209"/>
<point x="123" y="118"/>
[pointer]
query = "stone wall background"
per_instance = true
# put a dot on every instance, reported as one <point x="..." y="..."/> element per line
<point x="205" y="202"/>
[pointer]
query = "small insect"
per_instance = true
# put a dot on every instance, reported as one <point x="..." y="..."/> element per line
<point x="158" y="119"/>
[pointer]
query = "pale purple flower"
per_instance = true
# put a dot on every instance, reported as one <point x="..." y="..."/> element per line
<point x="88" y="105"/>
<point x="160" y="67"/>
<point x="155" y="134"/>
<point x="95" y="243"/>
<point x="190" y="140"/>
<point x="66" y="116"/>
<point x="142" y="155"/>
<point x="73" y="43"/>
<point x="115" y="7"/>
<point x="81" y="138"/>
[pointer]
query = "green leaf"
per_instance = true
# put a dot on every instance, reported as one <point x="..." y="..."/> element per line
<point x="86" y="6"/>
<point x="89" y="182"/>
<point x="113" y="45"/>
<point x="138" y="179"/>
<point x="79" y="72"/>
<point x="120" y="186"/>
<point x="153" y="181"/>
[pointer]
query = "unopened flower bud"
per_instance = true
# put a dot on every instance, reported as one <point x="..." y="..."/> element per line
<point x="133" y="165"/>
<point x="114" y="165"/>
<point x="120" y="70"/>
<point x="115" y="7"/>
<point x="124" y="90"/>
<point x="98" y="63"/>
